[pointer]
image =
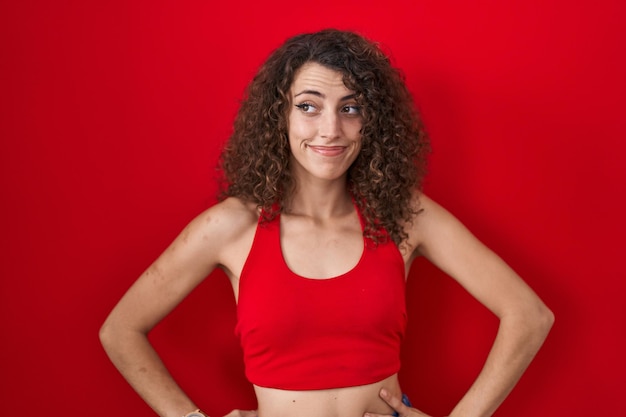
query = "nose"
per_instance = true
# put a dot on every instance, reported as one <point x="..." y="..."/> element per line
<point x="330" y="125"/>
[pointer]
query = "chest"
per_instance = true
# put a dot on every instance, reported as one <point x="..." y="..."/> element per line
<point x="366" y="291"/>
<point x="320" y="250"/>
<point x="301" y="333"/>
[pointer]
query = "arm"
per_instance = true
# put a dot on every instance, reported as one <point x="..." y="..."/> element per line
<point x="524" y="319"/>
<point x="183" y="265"/>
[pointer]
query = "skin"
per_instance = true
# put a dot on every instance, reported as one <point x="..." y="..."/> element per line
<point x="321" y="237"/>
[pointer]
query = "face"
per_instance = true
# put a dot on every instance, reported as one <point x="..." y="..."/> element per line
<point x="324" y="124"/>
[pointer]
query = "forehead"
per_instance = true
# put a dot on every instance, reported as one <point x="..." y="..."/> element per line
<point x="313" y="76"/>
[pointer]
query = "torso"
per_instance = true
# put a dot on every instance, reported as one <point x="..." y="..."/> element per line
<point x="340" y="244"/>
<point x="343" y="246"/>
<point x="339" y="402"/>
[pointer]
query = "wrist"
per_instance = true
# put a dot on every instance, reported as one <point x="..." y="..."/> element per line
<point x="196" y="413"/>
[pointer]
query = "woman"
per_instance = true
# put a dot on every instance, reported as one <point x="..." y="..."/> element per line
<point x="318" y="225"/>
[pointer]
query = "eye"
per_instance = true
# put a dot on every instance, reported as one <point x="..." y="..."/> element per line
<point x="306" y="107"/>
<point x="351" y="109"/>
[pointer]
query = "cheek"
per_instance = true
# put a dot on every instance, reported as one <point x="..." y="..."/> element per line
<point x="300" y="129"/>
<point x="354" y="130"/>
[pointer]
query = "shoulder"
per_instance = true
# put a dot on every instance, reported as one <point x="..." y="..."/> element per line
<point x="218" y="226"/>
<point x="226" y="219"/>
<point x="431" y="224"/>
<point x="439" y="236"/>
<point x="213" y="235"/>
<point x="236" y="209"/>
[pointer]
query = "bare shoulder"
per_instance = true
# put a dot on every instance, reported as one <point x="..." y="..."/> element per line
<point x="428" y="214"/>
<point x="224" y="223"/>
<point x="227" y="230"/>
<point x="231" y="214"/>
<point x="435" y="232"/>
<point x="211" y="238"/>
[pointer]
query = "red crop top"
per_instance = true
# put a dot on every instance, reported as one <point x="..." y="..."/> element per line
<point x="305" y="334"/>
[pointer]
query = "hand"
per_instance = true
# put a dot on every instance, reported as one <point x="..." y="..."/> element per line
<point x="396" y="403"/>
<point x="242" y="413"/>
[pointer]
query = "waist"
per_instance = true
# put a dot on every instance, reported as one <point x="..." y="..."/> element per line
<point x="336" y="402"/>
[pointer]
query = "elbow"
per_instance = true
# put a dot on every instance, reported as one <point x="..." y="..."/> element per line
<point x="116" y="336"/>
<point x="531" y="322"/>
<point x="105" y="335"/>
<point x="539" y="322"/>
<point x="113" y="340"/>
<point x="110" y="335"/>
<point x="546" y="319"/>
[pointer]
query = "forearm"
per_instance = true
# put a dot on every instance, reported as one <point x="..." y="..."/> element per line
<point x="133" y="355"/>
<point x="517" y="341"/>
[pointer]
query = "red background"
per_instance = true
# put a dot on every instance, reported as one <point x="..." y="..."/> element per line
<point x="112" y="117"/>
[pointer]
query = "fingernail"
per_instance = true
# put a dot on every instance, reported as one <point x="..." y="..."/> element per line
<point x="383" y="392"/>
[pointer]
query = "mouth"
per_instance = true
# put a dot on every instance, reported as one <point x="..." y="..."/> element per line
<point x="327" y="150"/>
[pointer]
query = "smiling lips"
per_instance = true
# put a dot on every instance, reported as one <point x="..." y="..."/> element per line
<point x="327" y="150"/>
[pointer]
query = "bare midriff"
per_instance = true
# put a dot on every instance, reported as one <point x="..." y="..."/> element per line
<point x="336" y="402"/>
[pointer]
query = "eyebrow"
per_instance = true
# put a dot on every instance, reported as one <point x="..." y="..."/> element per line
<point x="318" y="94"/>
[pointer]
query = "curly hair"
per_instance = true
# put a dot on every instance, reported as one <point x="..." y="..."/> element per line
<point x="392" y="161"/>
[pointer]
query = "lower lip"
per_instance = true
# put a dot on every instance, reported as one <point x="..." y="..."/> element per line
<point x="328" y="150"/>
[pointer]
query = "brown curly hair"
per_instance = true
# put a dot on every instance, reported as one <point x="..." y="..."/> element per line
<point x="392" y="160"/>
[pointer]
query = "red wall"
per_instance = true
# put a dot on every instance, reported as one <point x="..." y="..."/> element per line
<point x="112" y="116"/>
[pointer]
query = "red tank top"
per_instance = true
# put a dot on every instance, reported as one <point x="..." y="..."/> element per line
<point x="305" y="334"/>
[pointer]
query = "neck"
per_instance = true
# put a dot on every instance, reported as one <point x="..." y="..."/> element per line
<point x="321" y="199"/>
